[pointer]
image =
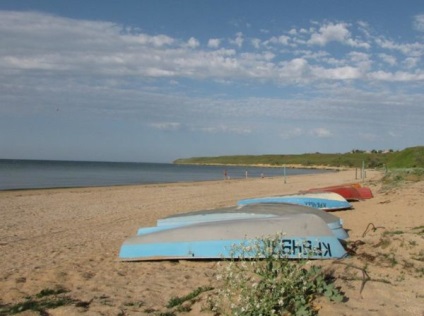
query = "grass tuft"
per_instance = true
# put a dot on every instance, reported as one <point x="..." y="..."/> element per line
<point x="175" y="301"/>
<point x="42" y="301"/>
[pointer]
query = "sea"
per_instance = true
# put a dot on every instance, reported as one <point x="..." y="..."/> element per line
<point x="37" y="174"/>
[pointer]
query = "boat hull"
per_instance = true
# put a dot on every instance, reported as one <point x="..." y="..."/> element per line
<point x="311" y="200"/>
<point x="365" y="193"/>
<point x="299" y="236"/>
<point x="348" y="192"/>
<point x="251" y="211"/>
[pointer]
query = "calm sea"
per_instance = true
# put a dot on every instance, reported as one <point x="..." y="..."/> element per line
<point x="30" y="174"/>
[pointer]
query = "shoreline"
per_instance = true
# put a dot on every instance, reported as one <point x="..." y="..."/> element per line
<point x="70" y="238"/>
<point x="28" y="176"/>
<point x="165" y="183"/>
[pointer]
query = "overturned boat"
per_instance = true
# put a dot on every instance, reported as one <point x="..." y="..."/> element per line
<point x="327" y="201"/>
<point x="250" y="211"/>
<point x="299" y="235"/>
<point x="351" y="192"/>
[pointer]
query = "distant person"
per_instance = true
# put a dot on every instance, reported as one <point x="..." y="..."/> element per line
<point x="225" y="174"/>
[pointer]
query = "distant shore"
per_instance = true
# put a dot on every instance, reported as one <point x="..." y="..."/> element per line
<point x="293" y="166"/>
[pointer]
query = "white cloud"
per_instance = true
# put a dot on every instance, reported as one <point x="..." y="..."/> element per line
<point x="321" y="133"/>
<point x="293" y="32"/>
<point x="411" y="62"/>
<point x="193" y="43"/>
<point x="396" y="76"/>
<point x="419" y="22"/>
<point x="360" y="60"/>
<point x="238" y="41"/>
<point x="292" y="133"/>
<point x="144" y="39"/>
<point x="214" y="42"/>
<point x="166" y="126"/>
<point x="389" y="59"/>
<point x="294" y="69"/>
<point x="410" y="49"/>
<point x="224" y="129"/>
<point x="364" y="27"/>
<point x="282" y="40"/>
<point x="340" y="73"/>
<point x="335" y="33"/>
<point x="35" y="41"/>
<point x="256" y="43"/>
<point x="329" y="33"/>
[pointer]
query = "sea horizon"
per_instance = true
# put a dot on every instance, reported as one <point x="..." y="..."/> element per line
<point x="21" y="174"/>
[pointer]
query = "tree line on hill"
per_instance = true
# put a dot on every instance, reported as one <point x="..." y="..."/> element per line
<point x="412" y="157"/>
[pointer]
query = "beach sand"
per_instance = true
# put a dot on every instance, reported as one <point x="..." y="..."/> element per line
<point x="70" y="238"/>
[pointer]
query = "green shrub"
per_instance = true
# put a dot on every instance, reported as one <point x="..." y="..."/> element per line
<point x="270" y="283"/>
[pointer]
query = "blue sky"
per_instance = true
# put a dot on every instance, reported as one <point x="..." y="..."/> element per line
<point x="154" y="81"/>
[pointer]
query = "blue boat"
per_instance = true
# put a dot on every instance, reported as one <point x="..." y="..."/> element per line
<point x="299" y="236"/>
<point x="324" y="201"/>
<point x="250" y="211"/>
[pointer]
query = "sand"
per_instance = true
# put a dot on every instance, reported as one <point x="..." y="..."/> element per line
<point x="71" y="238"/>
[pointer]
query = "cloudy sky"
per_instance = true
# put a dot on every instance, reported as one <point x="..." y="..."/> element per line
<point x="154" y="81"/>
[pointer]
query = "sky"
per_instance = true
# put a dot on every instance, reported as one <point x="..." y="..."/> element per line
<point x="154" y="81"/>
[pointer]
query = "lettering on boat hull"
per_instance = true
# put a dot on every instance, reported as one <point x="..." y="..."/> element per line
<point x="306" y="248"/>
<point x="316" y="204"/>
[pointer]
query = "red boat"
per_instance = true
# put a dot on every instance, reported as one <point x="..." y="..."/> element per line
<point x="365" y="193"/>
<point x="350" y="193"/>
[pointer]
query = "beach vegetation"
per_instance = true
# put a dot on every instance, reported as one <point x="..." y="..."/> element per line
<point x="419" y="230"/>
<point x="178" y="301"/>
<point x="137" y="304"/>
<point x="412" y="157"/>
<point x="395" y="178"/>
<point x="260" y="280"/>
<point x="419" y="256"/>
<point x="388" y="259"/>
<point x="48" y="292"/>
<point x="167" y="314"/>
<point x="40" y="302"/>
<point x="149" y="310"/>
<point x="413" y="243"/>
<point x="383" y="243"/>
<point x="393" y="232"/>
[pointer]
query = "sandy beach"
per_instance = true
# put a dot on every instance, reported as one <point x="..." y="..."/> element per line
<point x="70" y="238"/>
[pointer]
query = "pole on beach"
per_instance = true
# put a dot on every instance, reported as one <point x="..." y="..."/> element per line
<point x="363" y="171"/>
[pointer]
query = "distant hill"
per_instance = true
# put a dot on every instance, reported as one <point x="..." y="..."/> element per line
<point x="412" y="157"/>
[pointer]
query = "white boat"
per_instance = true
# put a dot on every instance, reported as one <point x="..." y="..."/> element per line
<point x="327" y="201"/>
<point x="250" y="211"/>
<point x="304" y="235"/>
